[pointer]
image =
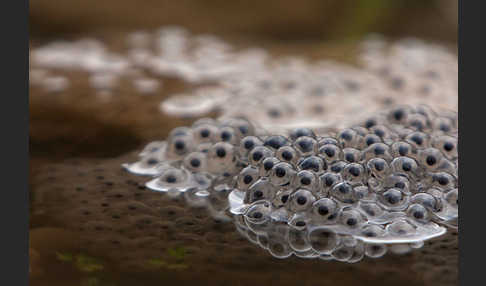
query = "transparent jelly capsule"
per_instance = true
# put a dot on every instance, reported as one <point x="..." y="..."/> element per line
<point x="418" y="122"/>
<point x="305" y="145"/>
<point x="300" y="132"/>
<point x="400" y="182"/>
<point x="426" y="200"/>
<point x="221" y="158"/>
<point x="247" y="144"/>
<point x="444" y="124"/>
<point x="325" y="211"/>
<point x="171" y="179"/>
<point x="205" y="132"/>
<point x="393" y="199"/>
<point x="312" y="163"/>
<point x="307" y="180"/>
<point x="278" y="247"/>
<point x="330" y="152"/>
<point x="400" y="148"/>
<point x="443" y="181"/>
<point x="287" y="154"/>
<point x="377" y="150"/>
<point x="452" y="198"/>
<point x="337" y="167"/>
<point x="343" y="253"/>
<point x="383" y="132"/>
<point x="371" y="139"/>
<point x="358" y="253"/>
<point x="323" y="240"/>
<point x="399" y="115"/>
<point x="401" y="228"/>
<point x="275" y="142"/>
<point x="405" y="165"/>
<point x="349" y="138"/>
<point x="375" y="250"/>
<point x="195" y="162"/>
<point x="351" y="218"/>
<point x="266" y="166"/>
<point x="430" y="158"/>
<point x="227" y="134"/>
<point x="247" y="177"/>
<point x="363" y="193"/>
<point x="241" y="127"/>
<point x="327" y="181"/>
<point x="372" y="230"/>
<point x="282" y="174"/>
<point x="301" y="200"/>
<point x="148" y="165"/>
<point x="354" y="173"/>
<point x="447" y="145"/>
<point x="378" y="168"/>
<point x="298" y="240"/>
<point x="327" y="140"/>
<point x="344" y="193"/>
<point x="260" y="190"/>
<point x="351" y="155"/>
<point x="299" y="221"/>
<point x="418" y="212"/>
<point x="282" y="197"/>
<point x="180" y="144"/>
<point x="259" y="153"/>
<point x="258" y="213"/>
<point x="418" y="139"/>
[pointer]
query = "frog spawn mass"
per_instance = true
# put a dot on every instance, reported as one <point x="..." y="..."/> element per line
<point x="387" y="184"/>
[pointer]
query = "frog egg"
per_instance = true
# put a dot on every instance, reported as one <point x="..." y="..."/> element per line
<point x="417" y="139"/>
<point x="298" y="240"/>
<point x="343" y="253"/>
<point x="287" y="154"/>
<point x="278" y="247"/>
<point x="179" y="145"/>
<point x="282" y="174"/>
<point x="400" y="149"/>
<point x="260" y="190"/>
<point x="443" y="124"/>
<point x="418" y="212"/>
<point x="358" y="253"/>
<point x="393" y="199"/>
<point x="275" y="142"/>
<point x="418" y="122"/>
<point x="399" y="115"/>
<point x="300" y="132"/>
<point x="375" y="250"/>
<point x="372" y="230"/>
<point x="324" y="211"/>
<point x="227" y="134"/>
<point x="257" y="217"/>
<point x="370" y="139"/>
<point x="306" y="145"/>
<point x="404" y="165"/>
<point x="266" y="166"/>
<point x="351" y="155"/>
<point x="195" y="162"/>
<point x="306" y="179"/>
<point x="247" y="177"/>
<point x="259" y="153"/>
<point x="383" y="132"/>
<point x="400" y="228"/>
<point x="425" y="111"/>
<point x="312" y="163"/>
<point x="149" y="165"/>
<point x="247" y="144"/>
<point x="447" y="145"/>
<point x="427" y="200"/>
<point x="349" y="138"/>
<point x="378" y="168"/>
<point x="301" y="200"/>
<point x="221" y="157"/>
<point x="241" y="127"/>
<point x="204" y="133"/>
<point x="299" y="221"/>
<point x="430" y="158"/>
<point x="337" y="167"/>
<point x="351" y="218"/>
<point x="443" y="181"/>
<point x="372" y="211"/>
<point x="377" y="150"/>
<point x="452" y="198"/>
<point x="171" y="179"/>
<point x="399" y="182"/>
<point x="354" y="173"/>
<point x="330" y="152"/>
<point x="343" y="192"/>
<point x="323" y="240"/>
<point x="327" y="140"/>
<point x="363" y="193"/>
<point x="327" y="181"/>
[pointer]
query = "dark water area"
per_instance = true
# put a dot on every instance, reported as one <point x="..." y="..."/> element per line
<point x="92" y="223"/>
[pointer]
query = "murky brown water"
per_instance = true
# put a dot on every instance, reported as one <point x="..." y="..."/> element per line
<point x="94" y="224"/>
